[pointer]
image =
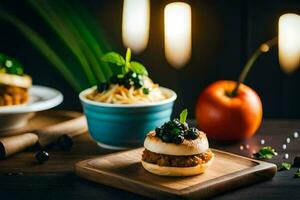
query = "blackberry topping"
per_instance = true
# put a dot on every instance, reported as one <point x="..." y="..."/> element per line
<point x="170" y="125"/>
<point x="102" y="87"/>
<point x="131" y="75"/>
<point x="138" y="83"/>
<point x="177" y="130"/>
<point x="42" y="156"/>
<point x="185" y="126"/>
<point x="126" y="83"/>
<point x="166" y="138"/>
<point x="192" y="133"/>
<point x="128" y="80"/>
<point x="114" y="79"/>
<point x="65" y="142"/>
<point x="176" y="123"/>
<point x="179" y="139"/>
<point x="159" y="132"/>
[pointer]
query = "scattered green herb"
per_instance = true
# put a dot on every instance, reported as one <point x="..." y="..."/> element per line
<point x="146" y="90"/>
<point x="183" y="116"/>
<point x="297" y="174"/>
<point x="284" y="166"/>
<point x="126" y="64"/>
<point x="10" y="65"/>
<point x="266" y="152"/>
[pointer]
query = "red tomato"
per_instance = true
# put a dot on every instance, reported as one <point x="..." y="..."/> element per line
<point x="228" y="118"/>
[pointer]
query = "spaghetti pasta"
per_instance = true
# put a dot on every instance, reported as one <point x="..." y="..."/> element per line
<point x="118" y="94"/>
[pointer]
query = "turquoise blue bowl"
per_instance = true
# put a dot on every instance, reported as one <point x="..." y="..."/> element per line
<point x="122" y="126"/>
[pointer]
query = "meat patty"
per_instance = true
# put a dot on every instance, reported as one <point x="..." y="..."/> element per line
<point x="176" y="161"/>
<point x="11" y="95"/>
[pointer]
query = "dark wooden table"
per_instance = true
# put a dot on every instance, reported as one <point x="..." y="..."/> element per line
<point x="22" y="178"/>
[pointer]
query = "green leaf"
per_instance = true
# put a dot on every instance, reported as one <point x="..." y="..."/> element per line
<point x="128" y="56"/>
<point x="115" y="58"/>
<point x="120" y="75"/>
<point x="183" y="116"/>
<point x="266" y="153"/>
<point x="138" y="68"/>
<point x="54" y="15"/>
<point x="90" y="32"/>
<point x="43" y="47"/>
<point x="127" y="60"/>
<point x="74" y="25"/>
<point x="297" y="174"/>
<point x="78" y="32"/>
<point x="285" y="166"/>
<point x="124" y="69"/>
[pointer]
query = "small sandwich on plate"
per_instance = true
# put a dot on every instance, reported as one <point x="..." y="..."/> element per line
<point x="14" y="84"/>
<point x="176" y="150"/>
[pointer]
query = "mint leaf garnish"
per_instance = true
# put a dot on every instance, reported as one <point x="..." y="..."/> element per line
<point x="113" y="57"/>
<point x="138" y="68"/>
<point x="266" y="153"/>
<point x="297" y="174"/>
<point x="183" y="116"/>
<point x="284" y="166"/>
<point x="126" y="64"/>
<point x="128" y="56"/>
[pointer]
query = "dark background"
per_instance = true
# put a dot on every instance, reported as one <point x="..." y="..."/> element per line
<point x="225" y="33"/>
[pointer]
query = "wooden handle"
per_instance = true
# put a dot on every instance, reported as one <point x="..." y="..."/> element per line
<point x="71" y="128"/>
<point x="14" y="144"/>
<point x="44" y="137"/>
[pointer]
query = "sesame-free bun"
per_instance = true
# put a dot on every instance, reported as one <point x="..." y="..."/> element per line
<point x="176" y="171"/>
<point x="188" y="147"/>
<point x="15" y="80"/>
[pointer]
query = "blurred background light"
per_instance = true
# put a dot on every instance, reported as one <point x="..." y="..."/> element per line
<point x="178" y="35"/>
<point x="289" y="42"/>
<point x="135" y="24"/>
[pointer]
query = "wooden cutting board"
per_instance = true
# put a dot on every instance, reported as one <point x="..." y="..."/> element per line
<point x="123" y="170"/>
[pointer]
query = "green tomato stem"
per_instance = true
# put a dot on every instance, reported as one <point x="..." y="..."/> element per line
<point x="263" y="48"/>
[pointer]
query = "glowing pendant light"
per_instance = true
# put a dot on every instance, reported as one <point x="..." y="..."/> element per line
<point x="135" y="25"/>
<point x="178" y="33"/>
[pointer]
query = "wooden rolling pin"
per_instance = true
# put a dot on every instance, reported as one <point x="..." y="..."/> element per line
<point x="14" y="144"/>
<point x="44" y="137"/>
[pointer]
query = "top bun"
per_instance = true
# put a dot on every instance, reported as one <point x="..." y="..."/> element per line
<point x="188" y="147"/>
<point x="15" y="80"/>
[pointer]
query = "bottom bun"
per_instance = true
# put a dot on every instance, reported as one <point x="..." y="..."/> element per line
<point x="176" y="171"/>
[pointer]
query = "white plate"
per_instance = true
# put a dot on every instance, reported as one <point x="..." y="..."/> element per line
<point x="41" y="98"/>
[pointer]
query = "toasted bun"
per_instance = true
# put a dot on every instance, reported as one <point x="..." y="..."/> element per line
<point x="176" y="171"/>
<point x="15" y="80"/>
<point x="188" y="147"/>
